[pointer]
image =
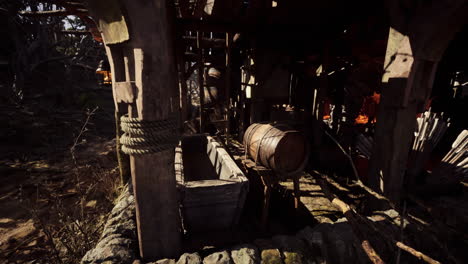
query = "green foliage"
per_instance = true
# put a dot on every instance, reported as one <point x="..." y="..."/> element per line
<point x="45" y="60"/>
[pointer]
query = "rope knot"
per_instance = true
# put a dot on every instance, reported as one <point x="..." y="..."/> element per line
<point x="145" y="137"/>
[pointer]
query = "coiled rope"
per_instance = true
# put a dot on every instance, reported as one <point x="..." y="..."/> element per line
<point x="145" y="137"/>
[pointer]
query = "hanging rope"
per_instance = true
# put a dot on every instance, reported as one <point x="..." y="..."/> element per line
<point x="145" y="137"/>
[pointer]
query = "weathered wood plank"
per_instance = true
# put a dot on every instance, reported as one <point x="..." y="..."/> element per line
<point x="110" y="21"/>
<point x="201" y="80"/>
<point x="150" y="63"/>
<point x="403" y="95"/>
<point x="209" y="203"/>
<point x="124" y="92"/>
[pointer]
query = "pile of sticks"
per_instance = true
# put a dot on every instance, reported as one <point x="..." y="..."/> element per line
<point x="364" y="145"/>
<point x="360" y="224"/>
<point x="429" y="130"/>
<point x="455" y="163"/>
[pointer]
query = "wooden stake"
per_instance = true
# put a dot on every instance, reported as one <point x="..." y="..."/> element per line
<point x="350" y="216"/>
<point x="353" y="218"/>
<point x="416" y="253"/>
<point x="201" y="83"/>
<point x="228" y="85"/>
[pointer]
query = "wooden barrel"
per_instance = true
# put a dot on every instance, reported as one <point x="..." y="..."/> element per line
<point x="212" y="83"/>
<point x="277" y="147"/>
<point x="211" y="94"/>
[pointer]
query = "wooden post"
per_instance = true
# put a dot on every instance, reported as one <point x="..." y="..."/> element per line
<point x="397" y="116"/>
<point x="228" y="85"/>
<point x="119" y="74"/>
<point x="181" y="67"/>
<point x="319" y="100"/>
<point x="410" y="65"/>
<point x="201" y="82"/>
<point x="297" y="191"/>
<point x="159" y="226"/>
<point x="122" y="159"/>
<point x="149" y="67"/>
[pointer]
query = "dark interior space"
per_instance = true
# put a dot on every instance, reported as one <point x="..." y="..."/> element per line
<point x="232" y="132"/>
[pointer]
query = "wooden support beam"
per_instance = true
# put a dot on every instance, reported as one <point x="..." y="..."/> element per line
<point x="416" y="42"/>
<point x="183" y="76"/>
<point x="182" y="87"/>
<point x="405" y="89"/>
<point x="228" y="43"/>
<point x="201" y="82"/>
<point x="147" y="58"/>
<point x="153" y="174"/>
<point x="319" y="99"/>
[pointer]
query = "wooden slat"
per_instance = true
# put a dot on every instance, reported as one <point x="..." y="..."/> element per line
<point x="111" y="21"/>
<point x="201" y="87"/>
<point x="228" y="43"/>
<point x="205" y="42"/>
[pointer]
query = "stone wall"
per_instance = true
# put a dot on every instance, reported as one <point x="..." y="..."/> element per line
<point x="118" y="243"/>
<point x="324" y="243"/>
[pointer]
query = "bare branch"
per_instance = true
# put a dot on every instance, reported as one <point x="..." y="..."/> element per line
<point x="61" y="12"/>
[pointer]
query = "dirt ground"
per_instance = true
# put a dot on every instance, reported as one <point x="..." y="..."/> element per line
<point x="59" y="179"/>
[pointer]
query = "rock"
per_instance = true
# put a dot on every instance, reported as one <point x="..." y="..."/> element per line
<point x="323" y="219"/>
<point x="341" y="220"/>
<point x="316" y="242"/>
<point x="190" y="258"/>
<point x="269" y="254"/>
<point x="118" y="239"/>
<point x="289" y="243"/>
<point x="221" y="257"/>
<point x="113" y="252"/>
<point x="339" y="244"/>
<point x="293" y="258"/>
<point x="91" y="204"/>
<point x="164" y="261"/>
<point x="293" y="248"/>
<point x="264" y="244"/>
<point x="245" y="254"/>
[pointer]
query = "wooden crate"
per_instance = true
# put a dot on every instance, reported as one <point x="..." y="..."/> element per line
<point x="211" y="186"/>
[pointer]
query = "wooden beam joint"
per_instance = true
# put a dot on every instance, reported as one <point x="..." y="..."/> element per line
<point x="124" y="92"/>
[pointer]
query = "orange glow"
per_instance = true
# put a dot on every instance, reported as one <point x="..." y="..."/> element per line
<point x="361" y="119"/>
<point x="96" y="34"/>
<point x="107" y="76"/>
<point x="376" y="98"/>
<point x="368" y="109"/>
<point x="326" y="117"/>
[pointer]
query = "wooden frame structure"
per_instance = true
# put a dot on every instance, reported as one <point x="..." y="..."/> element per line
<point x="140" y="42"/>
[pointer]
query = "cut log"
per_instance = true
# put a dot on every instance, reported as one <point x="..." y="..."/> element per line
<point x="353" y="219"/>
<point x="350" y="215"/>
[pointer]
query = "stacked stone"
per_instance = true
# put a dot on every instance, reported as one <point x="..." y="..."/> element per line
<point x="118" y="243"/>
<point x="324" y="243"/>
